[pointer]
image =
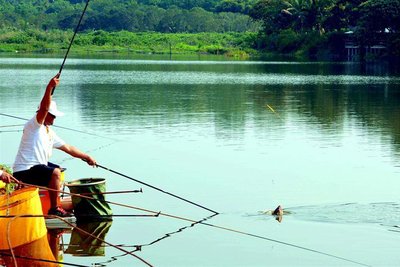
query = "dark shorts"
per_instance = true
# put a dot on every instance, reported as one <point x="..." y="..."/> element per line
<point x="37" y="175"/>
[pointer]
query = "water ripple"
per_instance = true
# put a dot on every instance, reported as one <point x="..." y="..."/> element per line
<point x="384" y="213"/>
<point x="186" y="77"/>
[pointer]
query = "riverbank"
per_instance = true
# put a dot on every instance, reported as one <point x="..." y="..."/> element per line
<point x="235" y="45"/>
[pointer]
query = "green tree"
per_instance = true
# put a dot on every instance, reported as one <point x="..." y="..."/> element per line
<point x="380" y="15"/>
<point x="272" y="15"/>
<point x="150" y="17"/>
<point x="309" y="15"/>
<point x="199" y="20"/>
<point x="380" y="23"/>
<point x="7" y="14"/>
<point x="235" y="6"/>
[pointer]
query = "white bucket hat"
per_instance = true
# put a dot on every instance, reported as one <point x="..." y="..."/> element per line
<point x="53" y="109"/>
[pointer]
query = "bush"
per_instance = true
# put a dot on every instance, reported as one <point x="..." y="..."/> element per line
<point x="100" y="38"/>
<point x="313" y="43"/>
<point x="394" y="44"/>
<point x="288" y="41"/>
<point x="17" y="38"/>
<point x="98" y="41"/>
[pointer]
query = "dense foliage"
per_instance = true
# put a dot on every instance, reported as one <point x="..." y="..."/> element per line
<point x="132" y="15"/>
<point x="315" y="26"/>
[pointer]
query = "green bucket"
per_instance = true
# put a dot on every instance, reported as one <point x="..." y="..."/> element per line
<point x="90" y="241"/>
<point x="94" y="208"/>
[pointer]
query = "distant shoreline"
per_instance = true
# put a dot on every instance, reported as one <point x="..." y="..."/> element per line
<point x="234" y="45"/>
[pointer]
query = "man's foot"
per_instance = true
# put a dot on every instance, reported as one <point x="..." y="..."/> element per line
<point x="60" y="212"/>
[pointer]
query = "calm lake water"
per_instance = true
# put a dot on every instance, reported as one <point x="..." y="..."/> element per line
<point x="238" y="137"/>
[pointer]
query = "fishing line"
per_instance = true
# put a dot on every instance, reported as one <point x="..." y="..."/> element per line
<point x="167" y="235"/>
<point x="61" y="127"/>
<point x="13" y="125"/>
<point x="103" y="241"/>
<point x="72" y="40"/>
<point x="114" y="258"/>
<point x="9" y="240"/>
<point x="43" y="260"/>
<point x="179" y="230"/>
<point x="217" y="227"/>
<point x="90" y="151"/>
<point x="156" y="188"/>
<point x="75" y="227"/>
<point x="11" y="131"/>
<point x="286" y="244"/>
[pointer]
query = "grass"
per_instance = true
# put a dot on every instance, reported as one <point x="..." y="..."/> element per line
<point x="237" y="45"/>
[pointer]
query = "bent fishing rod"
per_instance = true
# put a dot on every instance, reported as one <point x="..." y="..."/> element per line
<point x="70" y="43"/>
<point x="156" y="188"/>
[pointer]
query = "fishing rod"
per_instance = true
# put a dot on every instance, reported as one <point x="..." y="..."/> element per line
<point x="86" y="216"/>
<point x="70" y="43"/>
<point x="113" y="192"/>
<point x="167" y="235"/>
<point x="146" y="184"/>
<point x="156" y="213"/>
<point x="212" y="225"/>
<point x="42" y="260"/>
<point x="156" y="188"/>
<point x="75" y="227"/>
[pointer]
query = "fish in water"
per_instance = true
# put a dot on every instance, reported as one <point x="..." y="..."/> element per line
<point x="278" y="213"/>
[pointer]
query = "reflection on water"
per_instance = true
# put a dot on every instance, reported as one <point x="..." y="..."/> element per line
<point x="37" y="253"/>
<point x="229" y="111"/>
<point x="140" y="247"/>
<point x="327" y="110"/>
<point x="87" y="239"/>
<point x="203" y="129"/>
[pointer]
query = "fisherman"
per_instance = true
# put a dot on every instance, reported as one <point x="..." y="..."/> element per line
<point x="32" y="164"/>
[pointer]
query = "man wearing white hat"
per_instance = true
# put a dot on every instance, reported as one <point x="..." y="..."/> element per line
<point x="32" y="164"/>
